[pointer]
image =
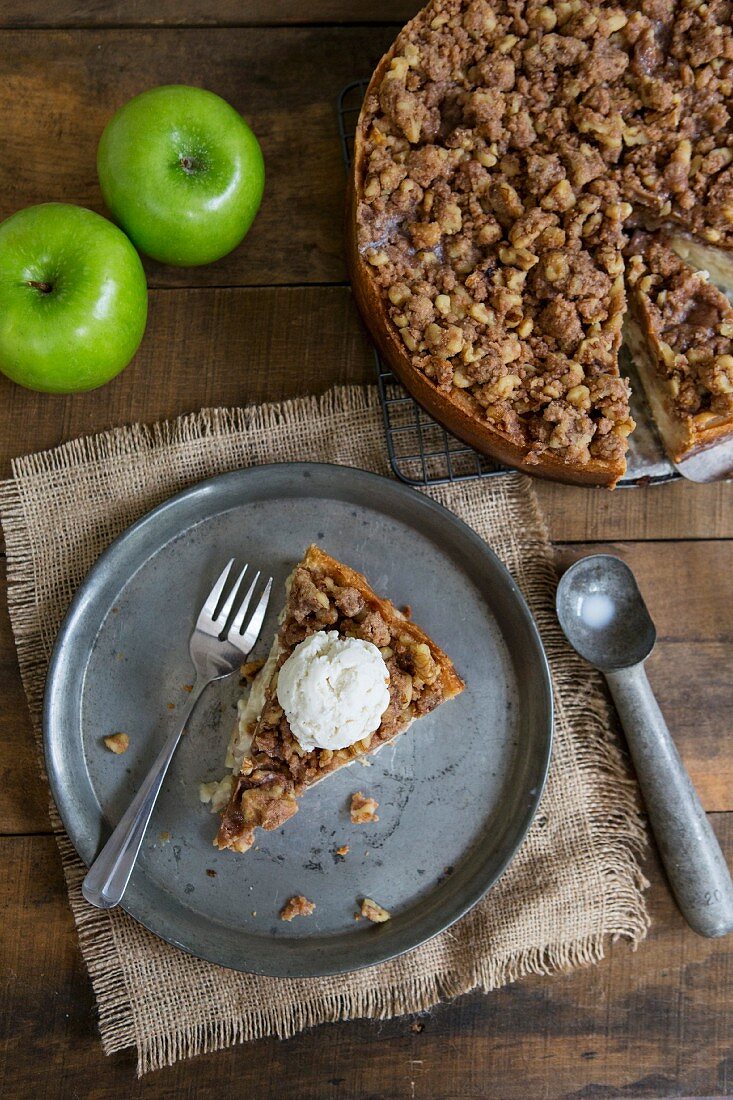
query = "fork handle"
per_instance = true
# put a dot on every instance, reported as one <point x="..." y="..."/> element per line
<point x="109" y="874"/>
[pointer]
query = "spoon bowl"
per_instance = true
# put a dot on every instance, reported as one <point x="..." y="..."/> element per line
<point x="603" y="613"/>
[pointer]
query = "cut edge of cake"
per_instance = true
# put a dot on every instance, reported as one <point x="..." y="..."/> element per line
<point x="684" y="435"/>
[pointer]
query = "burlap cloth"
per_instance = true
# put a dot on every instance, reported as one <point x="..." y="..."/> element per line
<point x="576" y="880"/>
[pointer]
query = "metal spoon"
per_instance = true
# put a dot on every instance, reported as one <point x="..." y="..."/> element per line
<point x="605" y="619"/>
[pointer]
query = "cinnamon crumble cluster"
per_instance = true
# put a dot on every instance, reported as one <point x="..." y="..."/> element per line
<point x="507" y="147"/>
<point x="298" y="906"/>
<point x="693" y="325"/>
<point x="278" y="769"/>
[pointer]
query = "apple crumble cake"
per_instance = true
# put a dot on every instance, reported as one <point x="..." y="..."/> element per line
<point x="679" y="329"/>
<point x="504" y="152"/>
<point x="327" y="604"/>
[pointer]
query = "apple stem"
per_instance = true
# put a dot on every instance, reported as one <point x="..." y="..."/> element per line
<point x="45" y="288"/>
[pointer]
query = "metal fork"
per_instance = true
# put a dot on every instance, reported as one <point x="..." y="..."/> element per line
<point x="214" y="656"/>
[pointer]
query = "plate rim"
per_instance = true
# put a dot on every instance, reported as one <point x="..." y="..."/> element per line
<point x="88" y="584"/>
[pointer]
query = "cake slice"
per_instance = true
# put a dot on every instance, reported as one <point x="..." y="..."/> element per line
<point x="679" y="330"/>
<point x="378" y="659"/>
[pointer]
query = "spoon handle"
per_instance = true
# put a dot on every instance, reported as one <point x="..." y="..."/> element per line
<point x="692" y="858"/>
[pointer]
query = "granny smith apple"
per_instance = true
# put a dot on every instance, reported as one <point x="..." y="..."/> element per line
<point x="73" y="298"/>
<point x="182" y="173"/>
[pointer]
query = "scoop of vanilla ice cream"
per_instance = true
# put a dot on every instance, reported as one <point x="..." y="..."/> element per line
<point x="333" y="690"/>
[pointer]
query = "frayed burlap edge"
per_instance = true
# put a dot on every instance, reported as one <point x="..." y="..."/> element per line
<point x="620" y="834"/>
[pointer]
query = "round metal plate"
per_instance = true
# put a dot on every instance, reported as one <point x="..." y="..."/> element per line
<point x="456" y="793"/>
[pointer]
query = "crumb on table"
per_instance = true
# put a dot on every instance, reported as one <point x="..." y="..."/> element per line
<point x="363" y="809"/>
<point x="343" y="850"/>
<point x="297" y="907"/>
<point x="373" y="912"/>
<point x="117" y="743"/>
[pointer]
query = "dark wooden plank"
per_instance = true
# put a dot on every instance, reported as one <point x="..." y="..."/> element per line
<point x="651" y="1023"/>
<point x="23" y="797"/>
<point x="237" y="346"/>
<point x="203" y="348"/>
<point x="688" y="586"/>
<point x="234" y="13"/>
<point x="692" y="661"/>
<point x="677" y="510"/>
<point x="60" y="88"/>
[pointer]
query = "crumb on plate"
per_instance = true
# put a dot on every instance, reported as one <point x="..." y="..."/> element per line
<point x="374" y="912"/>
<point x="363" y="809"/>
<point x="297" y="907"/>
<point x="117" y="743"/>
<point x="250" y="668"/>
<point x="343" y="850"/>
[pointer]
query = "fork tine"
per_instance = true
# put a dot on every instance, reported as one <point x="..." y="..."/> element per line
<point x="221" y="618"/>
<point x="207" y="611"/>
<point x="258" y="617"/>
<point x="239" y="617"/>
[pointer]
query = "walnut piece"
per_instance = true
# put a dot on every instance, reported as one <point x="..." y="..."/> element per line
<point x="363" y="809"/>
<point x="117" y="743"/>
<point x="373" y="912"/>
<point x="297" y="906"/>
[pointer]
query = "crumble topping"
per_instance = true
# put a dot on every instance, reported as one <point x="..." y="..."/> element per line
<point x="692" y="322"/>
<point x="117" y="743"/>
<point x="363" y="809"/>
<point x="507" y="147"/>
<point x="373" y="912"/>
<point x="297" y="907"/>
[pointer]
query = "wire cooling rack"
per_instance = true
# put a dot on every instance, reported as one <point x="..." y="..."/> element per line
<point x="421" y="451"/>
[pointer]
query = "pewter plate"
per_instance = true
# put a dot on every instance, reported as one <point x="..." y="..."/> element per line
<point x="456" y="793"/>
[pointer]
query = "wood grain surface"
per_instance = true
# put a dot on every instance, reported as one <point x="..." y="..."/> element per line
<point x="229" y="346"/>
<point x="198" y="13"/>
<point x="649" y="1023"/>
<point x="275" y="319"/>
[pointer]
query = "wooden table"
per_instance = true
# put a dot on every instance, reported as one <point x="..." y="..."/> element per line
<point x="272" y="320"/>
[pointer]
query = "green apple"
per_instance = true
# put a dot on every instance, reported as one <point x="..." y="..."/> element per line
<point x="182" y="173"/>
<point x="73" y="298"/>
